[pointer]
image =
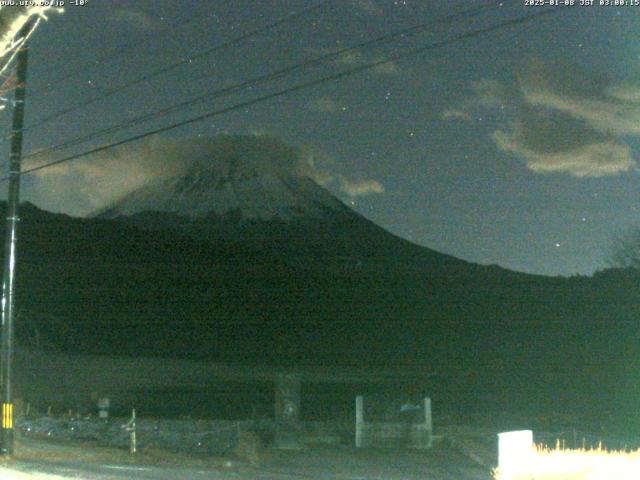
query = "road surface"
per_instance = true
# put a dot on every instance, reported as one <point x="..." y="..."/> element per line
<point x="316" y="464"/>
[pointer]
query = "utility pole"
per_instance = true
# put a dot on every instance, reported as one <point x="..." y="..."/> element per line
<point x="13" y="201"/>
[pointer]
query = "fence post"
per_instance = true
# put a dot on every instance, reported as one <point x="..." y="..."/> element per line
<point x="287" y="411"/>
<point x="134" y="445"/>
<point x="130" y="427"/>
<point x="428" y="421"/>
<point x="359" y="420"/>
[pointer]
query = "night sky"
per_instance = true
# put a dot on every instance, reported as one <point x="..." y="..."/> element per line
<point x="516" y="147"/>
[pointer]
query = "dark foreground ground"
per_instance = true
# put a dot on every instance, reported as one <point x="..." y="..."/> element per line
<point x="47" y="450"/>
<point x="446" y="461"/>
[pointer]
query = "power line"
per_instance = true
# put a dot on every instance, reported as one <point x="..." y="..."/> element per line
<point x="300" y="86"/>
<point x="119" y="51"/>
<point x="238" y="87"/>
<point x="169" y="68"/>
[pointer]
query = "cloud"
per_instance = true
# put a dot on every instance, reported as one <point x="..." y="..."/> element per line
<point x="369" y="6"/>
<point x="561" y="120"/>
<point x="321" y="175"/>
<point x="454" y="113"/>
<point x="625" y="91"/>
<point x="352" y="58"/>
<point x="359" y="188"/>
<point x="80" y="187"/>
<point x="89" y="184"/>
<point x="490" y="93"/>
<point x="323" y="105"/>
<point x="349" y="58"/>
<point x="591" y="160"/>
<point x="135" y="19"/>
<point x="607" y="114"/>
<point x="387" y="68"/>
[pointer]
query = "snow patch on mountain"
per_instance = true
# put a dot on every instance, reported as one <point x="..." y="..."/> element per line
<point x="256" y="177"/>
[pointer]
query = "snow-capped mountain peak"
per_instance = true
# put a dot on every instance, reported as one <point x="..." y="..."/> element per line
<point x="246" y="177"/>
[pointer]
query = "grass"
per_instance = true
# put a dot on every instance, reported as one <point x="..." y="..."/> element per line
<point x="27" y="449"/>
<point x="575" y="464"/>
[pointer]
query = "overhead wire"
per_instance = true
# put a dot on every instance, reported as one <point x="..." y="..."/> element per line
<point x="19" y="44"/>
<point x="169" y="68"/>
<point x="299" y="87"/>
<point x="119" y="51"/>
<point x="238" y="87"/>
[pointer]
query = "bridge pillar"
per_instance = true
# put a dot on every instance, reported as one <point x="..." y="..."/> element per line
<point x="287" y="411"/>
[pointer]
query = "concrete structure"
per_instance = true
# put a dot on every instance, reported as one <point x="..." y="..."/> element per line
<point x="396" y="434"/>
<point x="515" y="452"/>
<point x="70" y="380"/>
<point x="287" y="411"/>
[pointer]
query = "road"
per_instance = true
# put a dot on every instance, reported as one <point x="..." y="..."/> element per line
<point x="53" y="471"/>
<point x="50" y="460"/>
<point x="305" y="466"/>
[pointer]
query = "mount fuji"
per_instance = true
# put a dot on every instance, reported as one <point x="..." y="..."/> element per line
<point x="222" y="191"/>
<point x="238" y="255"/>
<point x="248" y="178"/>
<point x="259" y="195"/>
